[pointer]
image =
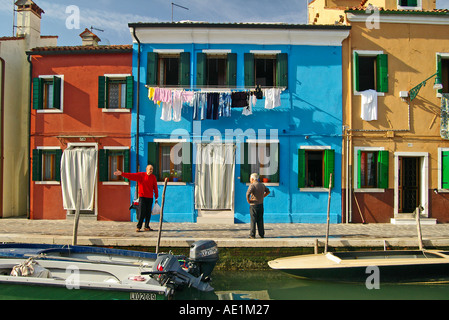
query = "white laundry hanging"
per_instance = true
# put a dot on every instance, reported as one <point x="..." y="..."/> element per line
<point x="368" y="111"/>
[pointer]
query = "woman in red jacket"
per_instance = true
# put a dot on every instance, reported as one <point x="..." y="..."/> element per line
<point x="147" y="184"/>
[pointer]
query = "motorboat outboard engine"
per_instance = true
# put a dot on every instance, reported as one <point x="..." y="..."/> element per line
<point x="203" y="257"/>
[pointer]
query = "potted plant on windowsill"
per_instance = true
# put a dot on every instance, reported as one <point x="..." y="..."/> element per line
<point x="266" y="180"/>
<point x="174" y="175"/>
<point x="166" y="175"/>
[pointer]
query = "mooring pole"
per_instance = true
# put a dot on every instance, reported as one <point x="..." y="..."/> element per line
<point x="328" y="213"/>
<point x="161" y="217"/>
<point x="77" y="217"/>
<point x="418" y="226"/>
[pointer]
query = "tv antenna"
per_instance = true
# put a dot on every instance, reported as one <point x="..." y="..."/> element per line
<point x="93" y="28"/>
<point x="177" y="5"/>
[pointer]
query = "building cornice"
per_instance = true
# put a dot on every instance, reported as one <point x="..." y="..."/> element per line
<point x="240" y="33"/>
<point x="397" y="16"/>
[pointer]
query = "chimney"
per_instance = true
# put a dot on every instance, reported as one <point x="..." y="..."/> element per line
<point x="28" y="18"/>
<point x="89" y="38"/>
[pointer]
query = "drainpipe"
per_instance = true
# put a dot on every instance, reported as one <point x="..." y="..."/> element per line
<point x="2" y="107"/>
<point x="137" y="101"/>
<point x="29" y="140"/>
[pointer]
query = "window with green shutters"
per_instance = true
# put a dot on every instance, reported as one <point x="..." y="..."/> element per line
<point x="168" y="70"/>
<point x="315" y="167"/>
<point x="372" y="169"/>
<point x="261" y="158"/>
<point x="266" y="70"/>
<point x="46" y="164"/>
<point x="47" y="92"/>
<point x="444" y="169"/>
<point x="370" y="71"/>
<point x="443" y="71"/>
<point x="407" y="3"/>
<point x="115" y="92"/>
<point x="111" y="160"/>
<point x="172" y="160"/>
<point x="216" y="70"/>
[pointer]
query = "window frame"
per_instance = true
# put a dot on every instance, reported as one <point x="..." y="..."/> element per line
<point x="103" y="92"/>
<point x="38" y="165"/>
<point x="154" y="150"/>
<point x="184" y="66"/>
<point x="105" y="168"/>
<point x="280" y="69"/>
<point x="327" y="152"/>
<point x="439" y="57"/>
<point x="202" y="71"/>
<point x="356" y="170"/>
<point x="442" y="187"/>
<point x="378" y="72"/>
<point x="417" y="7"/>
<point x="39" y="85"/>
<point x="245" y="165"/>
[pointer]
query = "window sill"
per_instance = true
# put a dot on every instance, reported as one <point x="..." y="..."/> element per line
<point x="359" y="93"/>
<point x="369" y="190"/>
<point x="49" y="111"/>
<point x="122" y="110"/>
<point x="55" y="183"/>
<point x="268" y="184"/>
<point x="317" y="189"/>
<point x="169" y="183"/>
<point x="115" y="183"/>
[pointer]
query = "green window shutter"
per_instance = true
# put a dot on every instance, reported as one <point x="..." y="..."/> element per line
<point x="231" y="74"/>
<point x="201" y="66"/>
<point x="282" y="70"/>
<point x="274" y="161"/>
<point x="445" y="170"/>
<point x="412" y="3"/>
<point x="439" y="71"/>
<point x="103" y="165"/>
<point x="301" y="168"/>
<point x="187" y="162"/>
<point x="382" y="169"/>
<point x="37" y="165"/>
<point x="359" y="169"/>
<point x="245" y="166"/>
<point x="101" y="92"/>
<point x="329" y="165"/>
<point x="382" y="73"/>
<point x="249" y="70"/>
<point x="56" y="92"/>
<point x="58" y="156"/>
<point x="126" y="167"/>
<point x="129" y="92"/>
<point x="356" y="71"/>
<point x="184" y="69"/>
<point x="152" y="64"/>
<point x="37" y="94"/>
<point x="153" y="157"/>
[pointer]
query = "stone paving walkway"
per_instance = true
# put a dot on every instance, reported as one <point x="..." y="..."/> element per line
<point x="111" y="233"/>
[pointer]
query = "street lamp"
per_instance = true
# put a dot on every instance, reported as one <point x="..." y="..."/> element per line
<point x="437" y="86"/>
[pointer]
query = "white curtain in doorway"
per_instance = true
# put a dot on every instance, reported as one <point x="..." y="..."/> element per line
<point x="214" y="176"/>
<point x="78" y="171"/>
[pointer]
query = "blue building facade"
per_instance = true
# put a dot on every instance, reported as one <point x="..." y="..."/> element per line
<point x="293" y="140"/>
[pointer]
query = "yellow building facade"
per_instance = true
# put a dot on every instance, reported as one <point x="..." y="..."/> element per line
<point x="396" y="151"/>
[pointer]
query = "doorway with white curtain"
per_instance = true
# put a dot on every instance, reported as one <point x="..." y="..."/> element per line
<point x="79" y="172"/>
<point x="214" y="182"/>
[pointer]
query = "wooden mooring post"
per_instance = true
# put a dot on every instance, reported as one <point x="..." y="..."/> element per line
<point x="77" y="217"/>
<point x="161" y="217"/>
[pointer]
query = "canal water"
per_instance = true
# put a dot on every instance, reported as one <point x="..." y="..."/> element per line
<point x="275" y="285"/>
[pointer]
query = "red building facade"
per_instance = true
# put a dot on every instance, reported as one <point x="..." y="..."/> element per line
<point x="82" y="98"/>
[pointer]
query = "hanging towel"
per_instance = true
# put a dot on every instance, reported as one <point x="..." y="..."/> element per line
<point x="272" y="98"/>
<point x="239" y="99"/>
<point x="368" y="110"/>
<point x="444" y="126"/>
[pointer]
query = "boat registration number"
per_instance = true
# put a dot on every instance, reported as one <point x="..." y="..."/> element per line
<point x="142" y="296"/>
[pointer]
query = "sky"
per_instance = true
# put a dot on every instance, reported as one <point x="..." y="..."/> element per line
<point x="68" y="18"/>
